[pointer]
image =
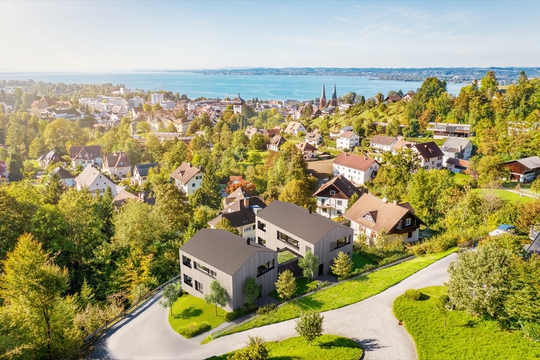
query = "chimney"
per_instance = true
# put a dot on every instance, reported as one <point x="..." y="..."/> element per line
<point x="310" y="209"/>
<point x="246" y="202"/>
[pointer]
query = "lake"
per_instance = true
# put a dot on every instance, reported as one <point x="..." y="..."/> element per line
<point x="266" y="87"/>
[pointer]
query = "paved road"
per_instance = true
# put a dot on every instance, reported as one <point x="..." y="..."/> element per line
<point x="147" y="334"/>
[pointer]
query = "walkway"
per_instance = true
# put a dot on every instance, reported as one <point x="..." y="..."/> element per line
<point x="371" y="322"/>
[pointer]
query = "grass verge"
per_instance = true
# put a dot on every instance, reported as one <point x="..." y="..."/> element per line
<point x="325" y="347"/>
<point x="504" y="195"/>
<point x="192" y="316"/>
<point x="344" y="293"/>
<point x="464" y="336"/>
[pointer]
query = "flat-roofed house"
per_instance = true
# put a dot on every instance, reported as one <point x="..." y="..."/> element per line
<point x="444" y="130"/>
<point x="333" y="197"/>
<point x="347" y="140"/>
<point x="382" y="143"/>
<point x="283" y="225"/>
<point x="524" y="170"/>
<point x="372" y="216"/>
<point x="357" y="169"/>
<point x="188" y="178"/>
<point x="220" y="255"/>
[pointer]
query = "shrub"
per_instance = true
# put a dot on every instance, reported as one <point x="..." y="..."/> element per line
<point x="238" y="313"/>
<point x="369" y="267"/>
<point x="309" y="326"/>
<point x="532" y="330"/>
<point x="413" y="294"/>
<point x="324" y="283"/>
<point x="255" y="350"/>
<point x="194" y="329"/>
<point x="265" y="309"/>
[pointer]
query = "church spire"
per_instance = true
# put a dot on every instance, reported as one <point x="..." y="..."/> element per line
<point x="322" y="100"/>
<point x="333" y="102"/>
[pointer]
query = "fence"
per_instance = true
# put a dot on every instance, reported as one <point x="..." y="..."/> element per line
<point x="93" y="337"/>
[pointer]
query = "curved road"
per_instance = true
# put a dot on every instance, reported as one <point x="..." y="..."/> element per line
<point x="147" y="334"/>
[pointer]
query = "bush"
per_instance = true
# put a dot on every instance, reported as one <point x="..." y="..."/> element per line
<point x="194" y="329"/>
<point x="368" y="267"/>
<point x="265" y="309"/>
<point x="413" y="294"/>
<point x="532" y="330"/>
<point x="244" y="310"/>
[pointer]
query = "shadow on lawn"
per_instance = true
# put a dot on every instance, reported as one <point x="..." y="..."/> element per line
<point x="188" y="313"/>
<point x="339" y="343"/>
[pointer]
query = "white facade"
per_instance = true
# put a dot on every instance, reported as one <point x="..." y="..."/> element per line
<point x="356" y="176"/>
<point x="331" y="207"/>
<point x="192" y="185"/>
<point x="348" y="142"/>
<point x="156" y="98"/>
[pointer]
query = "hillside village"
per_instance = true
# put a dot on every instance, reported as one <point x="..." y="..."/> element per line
<point x="131" y="189"/>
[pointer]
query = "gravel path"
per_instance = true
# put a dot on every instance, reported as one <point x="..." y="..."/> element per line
<point x="147" y="334"/>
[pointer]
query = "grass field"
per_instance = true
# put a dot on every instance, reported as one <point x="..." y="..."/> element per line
<point x="504" y="195"/>
<point x="344" y="293"/>
<point x="359" y="261"/>
<point x="191" y="316"/>
<point x="463" y="337"/>
<point x="320" y="169"/>
<point x="323" y="348"/>
<point x="302" y="287"/>
<point x="462" y="179"/>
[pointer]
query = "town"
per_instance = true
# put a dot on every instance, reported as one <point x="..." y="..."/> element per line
<point x="242" y="209"/>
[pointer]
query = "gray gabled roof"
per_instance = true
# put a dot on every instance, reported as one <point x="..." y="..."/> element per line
<point x="535" y="245"/>
<point x="298" y="221"/>
<point x="221" y="249"/>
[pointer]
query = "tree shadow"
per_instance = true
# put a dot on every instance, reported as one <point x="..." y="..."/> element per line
<point x="369" y="344"/>
<point x="424" y="297"/>
<point x="470" y="324"/>
<point x="339" y="342"/>
<point x="188" y="313"/>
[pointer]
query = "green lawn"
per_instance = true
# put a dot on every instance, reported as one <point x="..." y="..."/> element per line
<point x="323" y="348"/>
<point x="504" y="195"/>
<point x="464" y="337"/>
<point x="462" y="179"/>
<point x="359" y="261"/>
<point x="191" y="316"/>
<point x="284" y="256"/>
<point x="344" y="293"/>
<point x="302" y="287"/>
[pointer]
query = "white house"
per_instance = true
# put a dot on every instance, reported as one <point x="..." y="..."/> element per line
<point x="95" y="181"/>
<point x="431" y="156"/>
<point x="314" y="138"/>
<point x="117" y="165"/>
<point x="294" y="128"/>
<point x="67" y="178"/>
<point x="188" y="178"/>
<point x="333" y="197"/>
<point x="357" y="169"/>
<point x="140" y="173"/>
<point x="156" y="98"/>
<point x="457" y="148"/>
<point x="347" y="140"/>
<point x="308" y="150"/>
<point x="85" y="155"/>
<point x="382" y="143"/>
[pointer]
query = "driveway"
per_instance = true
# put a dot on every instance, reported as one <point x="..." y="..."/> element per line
<point x="147" y="334"/>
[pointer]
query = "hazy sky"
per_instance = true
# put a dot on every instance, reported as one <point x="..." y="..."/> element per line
<point x="124" y="35"/>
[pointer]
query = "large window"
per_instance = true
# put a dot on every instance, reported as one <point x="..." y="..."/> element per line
<point x="203" y="268"/>
<point x="261" y="241"/>
<point x="186" y="261"/>
<point x="287" y="239"/>
<point x="343" y="241"/>
<point x="261" y="226"/>
<point x="266" y="267"/>
<point x="198" y="286"/>
<point x="188" y="280"/>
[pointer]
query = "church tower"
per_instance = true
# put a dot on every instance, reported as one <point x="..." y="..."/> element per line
<point x="333" y="102"/>
<point x="322" y="100"/>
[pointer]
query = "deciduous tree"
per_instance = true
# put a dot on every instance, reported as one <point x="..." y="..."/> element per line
<point x="309" y="264"/>
<point x="286" y="285"/>
<point x="217" y="295"/>
<point x="309" y="326"/>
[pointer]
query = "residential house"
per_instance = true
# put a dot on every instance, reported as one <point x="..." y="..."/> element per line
<point x="117" y="165"/>
<point x="534" y="235"/>
<point x="458" y="166"/>
<point x="347" y="140"/>
<point x="283" y="225"/>
<point x="431" y="156"/>
<point x="67" y="178"/>
<point x="270" y="133"/>
<point x="308" y="150"/>
<point x="382" y="143"/>
<point x="61" y="113"/>
<point x="372" y="217"/>
<point x="49" y="158"/>
<point x="4" y="174"/>
<point x="188" y="178"/>
<point x="444" y="130"/>
<point x="140" y="173"/>
<point x="43" y="103"/>
<point x="275" y="143"/>
<point x="523" y="170"/>
<point x="251" y="130"/>
<point x="220" y="255"/>
<point x="333" y="197"/>
<point x="408" y="96"/>
<point x="124" y="196"/>
<point x="314" y="138"/>
<point x="84" y="155"/>
<point x="392" y="99"/>
<point x="457" y="148"/>
<point x="156" y="98"/>
<point x="295" y="127"/>
<point x="400" y="144"/>
<point x="241" y="214"/>
<point x="357" y="169"/>
<point x="95" y="181"/>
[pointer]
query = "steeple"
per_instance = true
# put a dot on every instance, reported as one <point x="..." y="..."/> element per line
<point x="333" y="102"/>
<point x="322" y="100"/>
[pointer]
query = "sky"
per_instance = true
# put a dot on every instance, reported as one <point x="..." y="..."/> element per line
<point x="127" y="35"/>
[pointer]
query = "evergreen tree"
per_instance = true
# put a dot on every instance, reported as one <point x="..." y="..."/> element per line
<point x="343" y="265"/>
<point x="286" y="285"/>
